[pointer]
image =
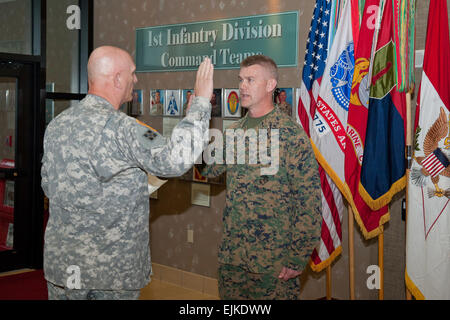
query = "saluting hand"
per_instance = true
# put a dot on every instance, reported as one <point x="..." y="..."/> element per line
<point x="204" y="81"/>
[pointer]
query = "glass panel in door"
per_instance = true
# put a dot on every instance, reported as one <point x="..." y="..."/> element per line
<point x="8" y="111"/>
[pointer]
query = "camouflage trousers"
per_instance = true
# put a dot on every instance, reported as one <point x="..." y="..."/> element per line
<point x="59" y="293"/>
<point x="236" y="283"/>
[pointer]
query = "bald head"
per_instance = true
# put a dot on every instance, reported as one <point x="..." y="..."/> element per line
<point x="111" y="74"/>
<point x="105" y="61"/>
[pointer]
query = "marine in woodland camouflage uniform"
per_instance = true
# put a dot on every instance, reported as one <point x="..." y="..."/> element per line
<point x="94" y="172"/>
<point x="283" y="104"/>
<point x="285" y="107"/>
<point x="269" y="221"/>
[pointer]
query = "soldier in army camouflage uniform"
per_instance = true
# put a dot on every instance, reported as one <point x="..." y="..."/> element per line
<point x="94" y="172"/>
<point x="271" y="223"/>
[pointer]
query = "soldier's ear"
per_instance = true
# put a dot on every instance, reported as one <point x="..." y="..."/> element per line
<point x="117" y="80"/>
<point x="271" y="85"/>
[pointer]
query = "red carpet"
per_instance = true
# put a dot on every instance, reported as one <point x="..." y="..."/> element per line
<point x="24" y="286"/>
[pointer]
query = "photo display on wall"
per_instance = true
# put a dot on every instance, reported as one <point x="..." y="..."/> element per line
<point x="172" y="105"/>
<point x="225" y="103"/>
<point x="137" y="103"/>
<point x="157" y="97"/>
<point x="231" y="103"/>
<point x="284" y="98"/>
<point x="216" y="103"/>
<point x="185" y="95"/>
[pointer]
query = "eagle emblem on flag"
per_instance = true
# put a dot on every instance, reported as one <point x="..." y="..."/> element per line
<point x="341" y="74"/>
<point x="436" y="161"/>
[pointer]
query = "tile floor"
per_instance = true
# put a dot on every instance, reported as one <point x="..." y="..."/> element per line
<point x="161" y="290"/>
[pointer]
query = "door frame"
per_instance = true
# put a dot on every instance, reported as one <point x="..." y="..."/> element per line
<point x="28" y="203"/>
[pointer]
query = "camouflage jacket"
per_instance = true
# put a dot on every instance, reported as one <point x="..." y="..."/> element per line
<point x="94" y="172"/>
<point x="271" y="221"/>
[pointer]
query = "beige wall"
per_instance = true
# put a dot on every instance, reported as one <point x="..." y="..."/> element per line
<point x="172" y="214"/>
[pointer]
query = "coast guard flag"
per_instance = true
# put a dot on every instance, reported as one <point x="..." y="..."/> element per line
<point x="332" y="205"/>
<point x="427" y="272"/>
<point x="370" y="221"/>
<point x="383" y="167"/>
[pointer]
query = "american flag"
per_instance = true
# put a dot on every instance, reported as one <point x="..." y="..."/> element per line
<point x="315" y="60"/>
<point x="435" y="162"/>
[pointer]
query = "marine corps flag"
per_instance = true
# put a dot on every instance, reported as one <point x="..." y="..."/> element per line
<point x="370" y="221"/>
<point x="383" y="165"/>
<point x="428" y="221"/>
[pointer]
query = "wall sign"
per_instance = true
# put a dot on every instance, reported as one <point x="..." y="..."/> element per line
<point x="182" y="47"/>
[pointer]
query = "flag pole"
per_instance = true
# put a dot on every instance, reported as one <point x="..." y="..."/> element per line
<point x="329" y="282"/>
<point x="408" y="166"/>
<point x="381" y="263"/>
<point x="350" y="254"/>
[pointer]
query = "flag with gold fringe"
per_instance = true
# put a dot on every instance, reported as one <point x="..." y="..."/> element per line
<point x="321" y="31"/>
<point x="428" y="221"/>
<point x="328" y="132"/>
<point x="383" y="165"/>
<point x="370" y="221"/>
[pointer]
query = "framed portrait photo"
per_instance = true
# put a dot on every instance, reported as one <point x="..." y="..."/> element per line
<point x="157" y="97"/>
<point x="231" y="103"/>
<point x="284" y="98"/>
<point x="172" y="105"/>
<point x="216" y="103"/>
<point x="185" y="95"/>
<point x="137" y="103"/>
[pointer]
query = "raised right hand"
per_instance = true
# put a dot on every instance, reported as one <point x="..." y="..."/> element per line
<point x="204" y="80"/>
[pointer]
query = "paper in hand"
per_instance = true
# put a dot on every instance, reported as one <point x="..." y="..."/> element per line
<point x="154" y="183"/>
